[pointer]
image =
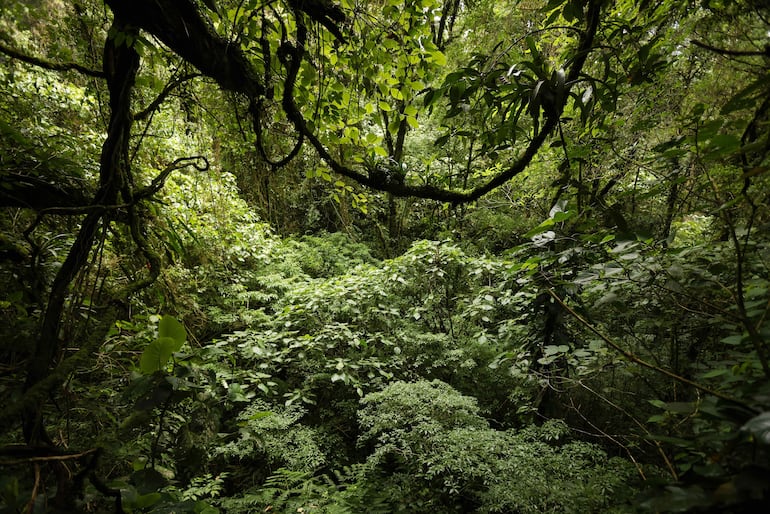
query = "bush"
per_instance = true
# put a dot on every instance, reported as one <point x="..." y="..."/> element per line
<point x="434" y="452"/>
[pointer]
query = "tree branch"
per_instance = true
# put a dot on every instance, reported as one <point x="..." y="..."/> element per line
<point x="254" y="110"/>
<point x="638" y="360"/>
<point x="171" y="86"/>
<point x="32" y="192"/>
<point x="181" y="25"/>
<point x="158" y="182"/>
<point x="29" y="454"/>
<point x="732" y="53"/>
<point x="292" y="56"/>
<point x="50" y="65"/>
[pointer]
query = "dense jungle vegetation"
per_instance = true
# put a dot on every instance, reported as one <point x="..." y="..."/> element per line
<point x="419" y="256"/>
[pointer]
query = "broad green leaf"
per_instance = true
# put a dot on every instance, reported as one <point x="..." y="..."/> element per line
<point x="552" y="4"/>
<point x="430" y="97"/>
<point x="201" y="507"/>
<point x="715" y="373"/>
<point x="441" y="140"/>
<point x="438" y="57"/>
<point x="721" y="145"/>
<point x="732" y="340"/>
<point x="146" y="500"/>
<point x="171" y="328"/>
<point x="156" y="355"/>
<point x="573" y="11"/>
<point x="680" y="407"/>
<point x="543" y="227"/>
<point x="554" y="349"/>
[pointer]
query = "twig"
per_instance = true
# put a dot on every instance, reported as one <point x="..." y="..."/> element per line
<point x="638" y="423"/>
<point x="199" y="162"/>
<point x="155" y="104"/>
<point x="613" y="439"/>
<point x="35" y="487"/>
<point x="638" y="360"/>
<point x="48" y="458"/>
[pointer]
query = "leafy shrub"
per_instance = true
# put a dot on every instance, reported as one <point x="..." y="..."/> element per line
<point x="433" y="452"/>
<point x="327" y="255"/>
<point x="273" y="436"/>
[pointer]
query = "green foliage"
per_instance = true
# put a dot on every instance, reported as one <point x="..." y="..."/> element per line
<point x="421" y="407"/>
<point x="327" y="255"/>
<point x="273" y="434"/>
<point x="291" y="491"/>
<point x="433" y="451"/>
<point x="171" y="336"/>
<point x="404" y="319"/>
<point x="615" y="291"/>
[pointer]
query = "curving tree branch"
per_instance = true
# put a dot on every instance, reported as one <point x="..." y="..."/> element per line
<point x="324" y="12"/>
<point x="292" y="56"/>
<point x="121" y="66"/>
<point x="170" y="87"/>
<point x="254" y="110"/>
<point x="199" y="162"/>
<point x="182" y="26"/>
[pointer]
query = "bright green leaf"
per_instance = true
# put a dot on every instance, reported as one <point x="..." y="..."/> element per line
<point x="156" y="355"/>
<point x="438" y="57"/>
<point x="170" y="327"/>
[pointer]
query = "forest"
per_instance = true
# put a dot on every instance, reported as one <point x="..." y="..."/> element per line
<point x="386" y="256"/>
